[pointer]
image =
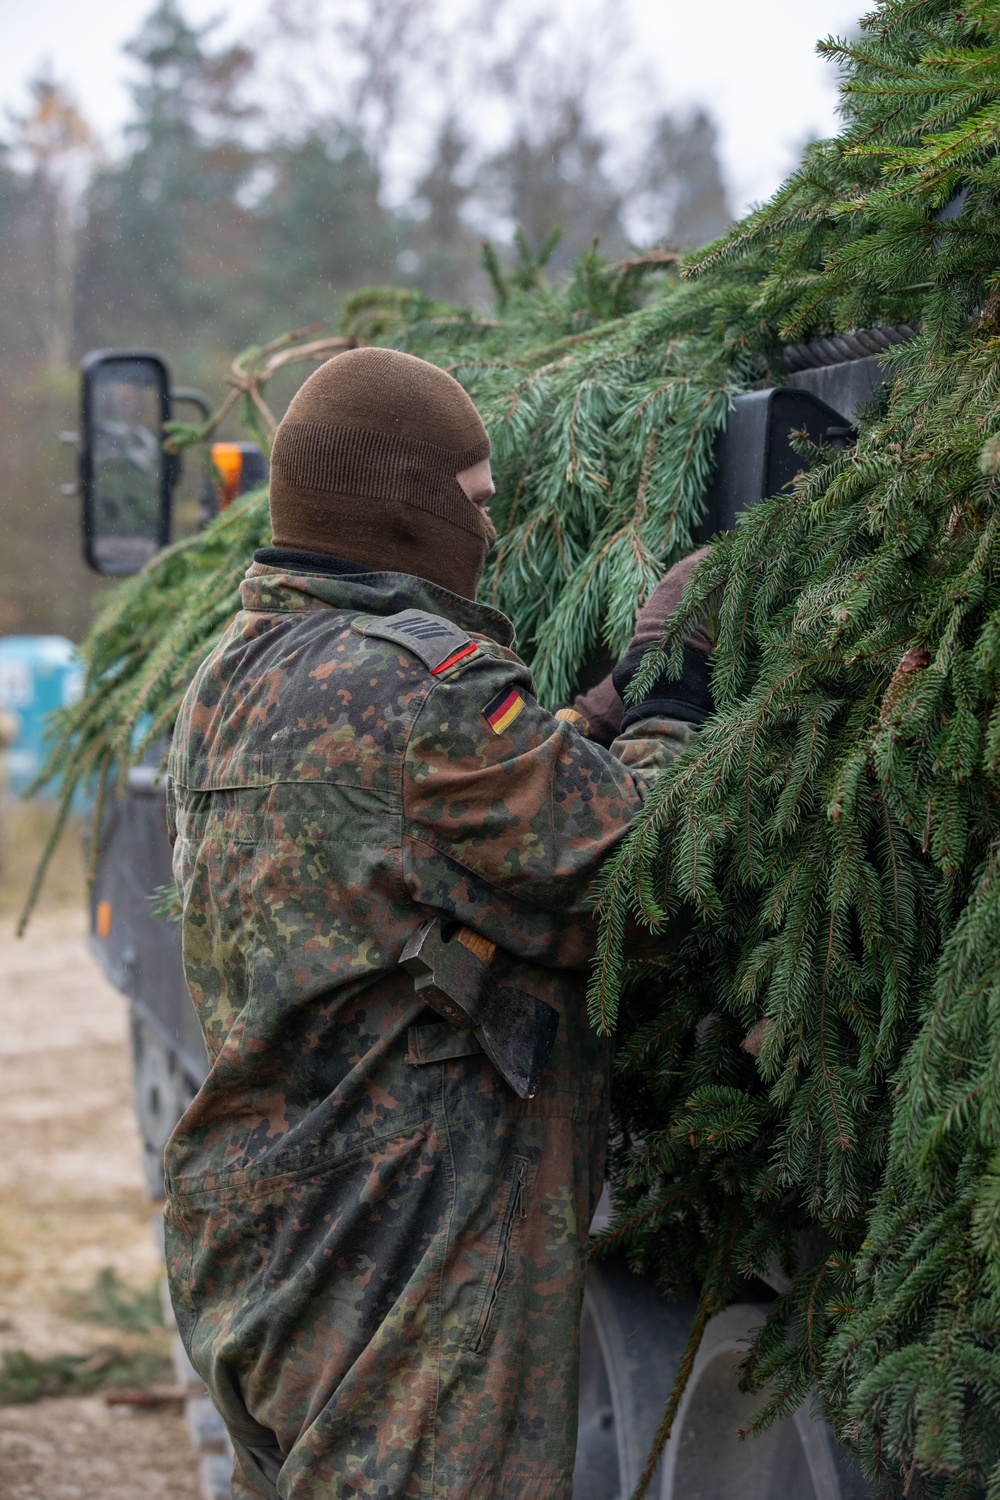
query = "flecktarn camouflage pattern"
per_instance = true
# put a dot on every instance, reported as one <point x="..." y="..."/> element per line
<point x="376" y="1250"/>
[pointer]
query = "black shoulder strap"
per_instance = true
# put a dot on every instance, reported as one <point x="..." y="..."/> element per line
<point x="433" y="640"/>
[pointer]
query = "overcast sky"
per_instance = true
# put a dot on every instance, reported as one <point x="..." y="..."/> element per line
<point x="751" y="62"/>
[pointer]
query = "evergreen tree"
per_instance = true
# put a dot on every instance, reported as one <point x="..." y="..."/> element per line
<point x="199" y="234"/>
<point x="322" y="230"/>
<point x="166" y="239"/>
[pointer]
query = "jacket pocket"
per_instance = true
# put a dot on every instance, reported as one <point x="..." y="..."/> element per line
<point x="439" y="1041"/>
<point x="515" y="1210"/>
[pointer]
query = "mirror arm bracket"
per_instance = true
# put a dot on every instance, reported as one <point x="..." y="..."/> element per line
<point x="194" y="397"/>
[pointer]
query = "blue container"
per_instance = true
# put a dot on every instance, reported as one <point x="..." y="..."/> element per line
<point x="38" y="673"/>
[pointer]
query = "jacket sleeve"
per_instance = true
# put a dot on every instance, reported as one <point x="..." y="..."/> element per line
<point x="509" y="813"/>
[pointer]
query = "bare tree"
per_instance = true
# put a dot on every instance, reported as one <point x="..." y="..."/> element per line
<point x="59" y="149"/>
<point x="363" y="62"/>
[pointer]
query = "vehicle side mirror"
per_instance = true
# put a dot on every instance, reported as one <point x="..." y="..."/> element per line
<point x="125" y="474"/>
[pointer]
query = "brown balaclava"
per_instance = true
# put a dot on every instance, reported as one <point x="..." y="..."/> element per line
<point x="364" y="466"/>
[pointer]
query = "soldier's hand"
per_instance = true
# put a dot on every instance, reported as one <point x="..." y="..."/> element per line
<point x="602" y="705"/>
<point x="689" y="697"/>
<point x="661" y="604"/>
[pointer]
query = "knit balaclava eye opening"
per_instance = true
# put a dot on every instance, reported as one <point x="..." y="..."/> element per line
<point x="364" y="466"/>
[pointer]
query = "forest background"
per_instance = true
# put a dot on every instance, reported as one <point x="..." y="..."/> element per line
<point x="225" y="220"/>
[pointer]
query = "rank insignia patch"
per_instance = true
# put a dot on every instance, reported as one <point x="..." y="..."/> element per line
<point x="502" y="710"/>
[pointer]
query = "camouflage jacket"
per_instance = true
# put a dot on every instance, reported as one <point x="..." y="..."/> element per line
<point x="327" y="790"/>
<point x="376" y="1250"/>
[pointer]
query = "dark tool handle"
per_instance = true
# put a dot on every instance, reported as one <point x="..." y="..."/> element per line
<point x="515" y="1029"/>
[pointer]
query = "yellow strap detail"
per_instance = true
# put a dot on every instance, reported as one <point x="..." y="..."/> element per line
<point x="480" y="946"/>
<point x="570" y="716"/>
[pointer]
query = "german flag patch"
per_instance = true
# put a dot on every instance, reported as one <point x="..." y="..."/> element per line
<point x="502" y="710"/>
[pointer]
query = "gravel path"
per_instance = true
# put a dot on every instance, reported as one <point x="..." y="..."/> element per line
<point x="72" y="1203"/>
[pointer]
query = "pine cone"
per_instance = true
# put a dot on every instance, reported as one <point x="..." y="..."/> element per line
<point x="914" y="660"/>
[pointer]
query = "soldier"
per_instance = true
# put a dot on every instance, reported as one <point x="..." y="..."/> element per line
<point x="376" y="1248"/>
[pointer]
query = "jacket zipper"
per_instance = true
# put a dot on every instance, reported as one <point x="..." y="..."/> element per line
<point x="517" y="1208"/>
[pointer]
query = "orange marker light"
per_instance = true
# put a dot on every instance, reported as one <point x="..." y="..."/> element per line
<point x="228" y="461"/>
<point x="103" y="922"/>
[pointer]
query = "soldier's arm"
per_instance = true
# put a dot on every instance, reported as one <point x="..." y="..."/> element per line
<point x="509" y="813"/>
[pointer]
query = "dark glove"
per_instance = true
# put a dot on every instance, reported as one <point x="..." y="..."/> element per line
<point x="689" y="697"/>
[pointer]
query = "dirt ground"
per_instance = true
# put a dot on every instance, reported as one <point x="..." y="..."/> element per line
<point x="72" y="1200"/>
<point x="77" y="1448"/>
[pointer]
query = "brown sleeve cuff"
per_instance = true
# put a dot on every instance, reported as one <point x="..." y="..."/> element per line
<point x="602" y="708"/>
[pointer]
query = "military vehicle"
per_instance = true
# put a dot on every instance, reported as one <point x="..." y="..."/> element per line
<point x="632" y="1337"/>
